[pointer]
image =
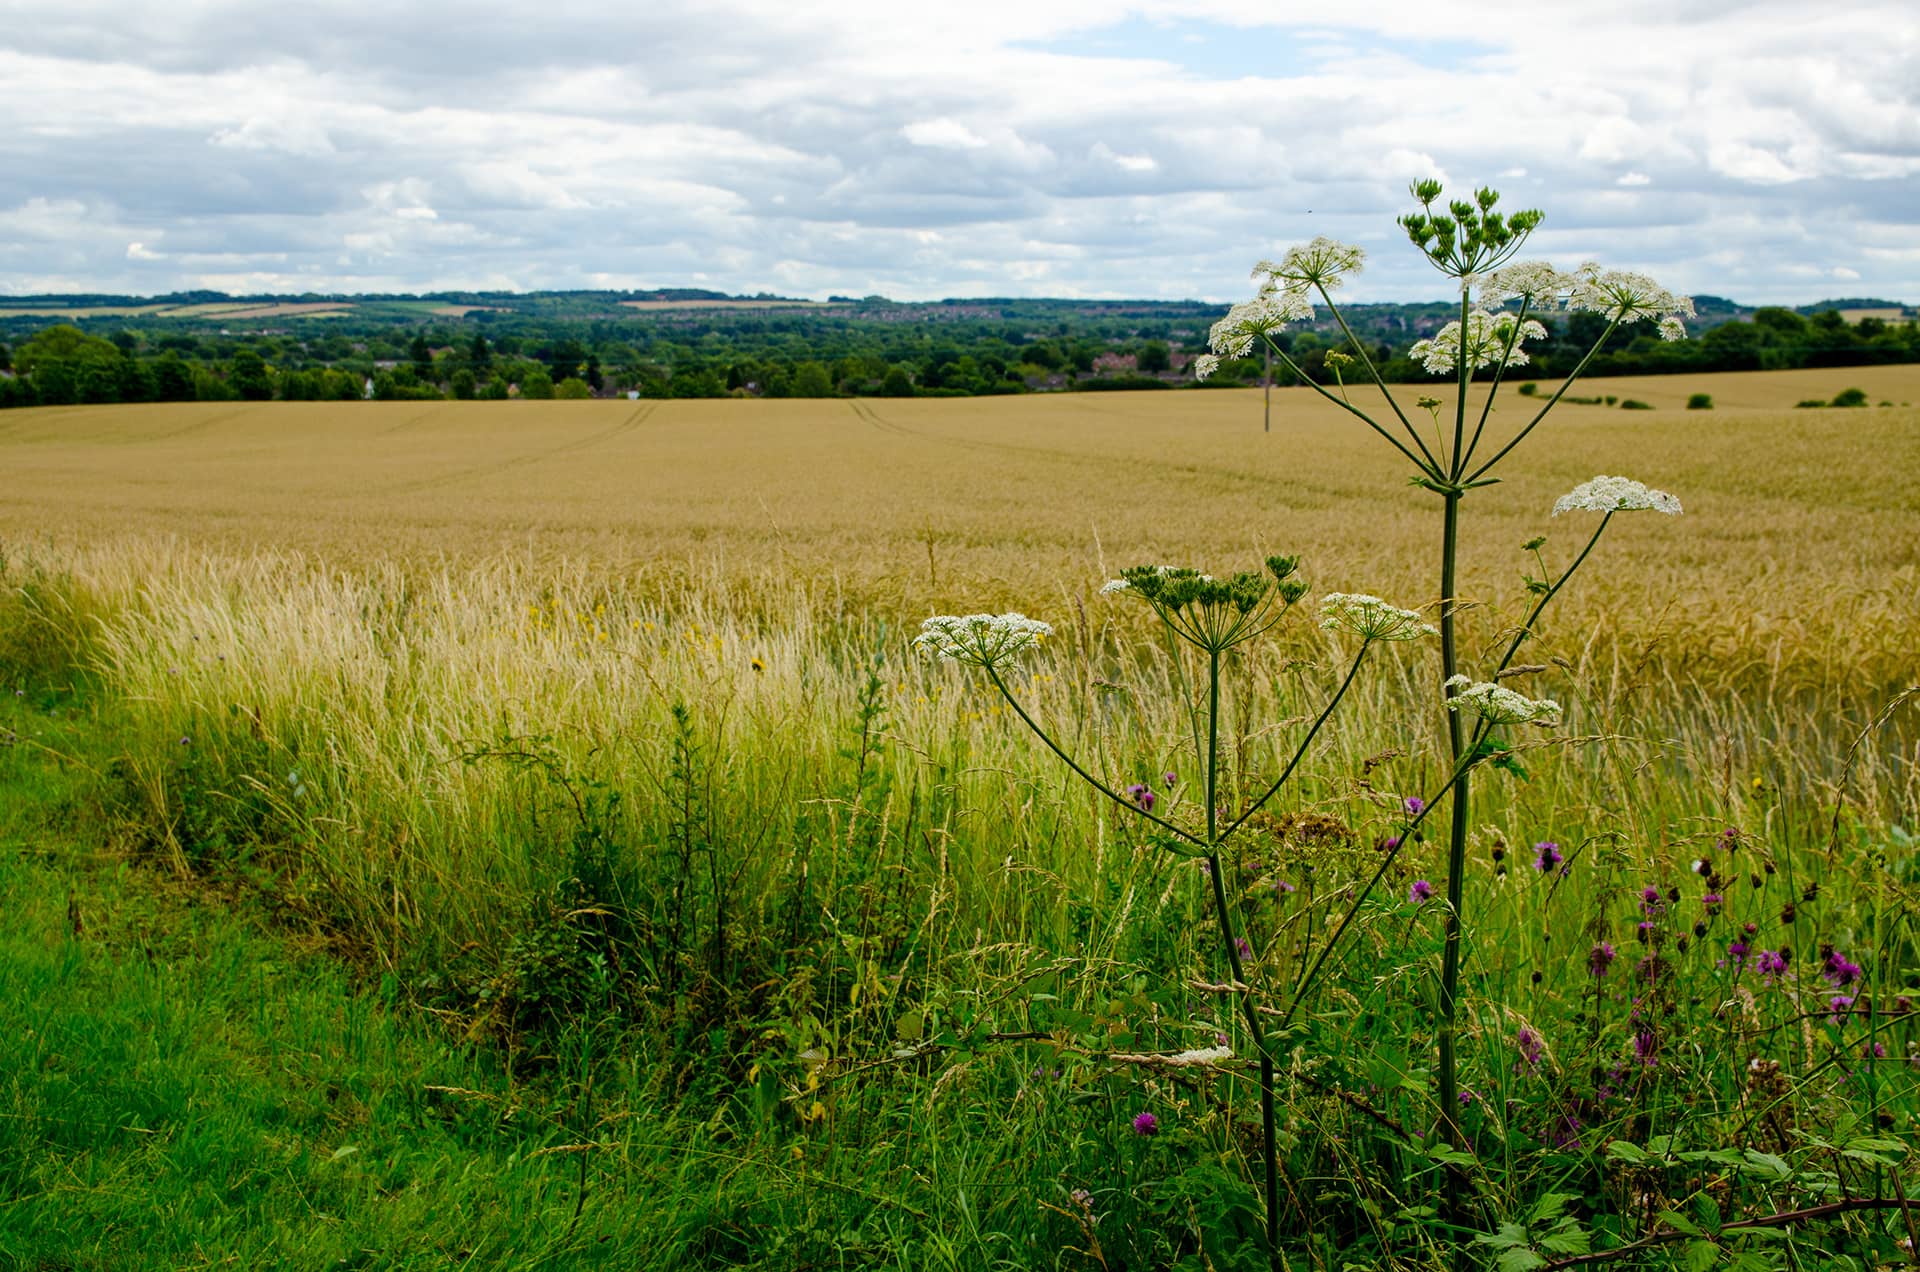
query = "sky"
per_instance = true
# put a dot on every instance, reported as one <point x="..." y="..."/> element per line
<point x="1767" y="152"/>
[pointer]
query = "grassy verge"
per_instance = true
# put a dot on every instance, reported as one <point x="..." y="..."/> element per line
<point x="689" y="934"/>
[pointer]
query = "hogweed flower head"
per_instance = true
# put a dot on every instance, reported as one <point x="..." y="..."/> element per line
<point x="1371" y="618"/>
<point x="1488" y="339"/>
<point x="1497" y="704"/>
<point x="1625" y="297"/>
<point x="1616" y="494"/>
<point x="982" y="640"/>
<point x="1323" y="263"/>
<point x="1537" y="283"/>
<point x="1467" y="237"/>
<point x="1270" y="311"/>
<point x="1205" y="365"/>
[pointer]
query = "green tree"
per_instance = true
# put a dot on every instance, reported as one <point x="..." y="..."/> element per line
<point x="464" y="384"/>
<point x="1154" y="357"/>
<point x="420" y="353"/>
<point x="480" y="354"/>
<point x="6" y="359"/>
<point x="897" y="383"/>
<point x="537" y="386"/>
<point x="247" y="373"/>
<point x="572" y="389"/>
<point x="810" y="380"/>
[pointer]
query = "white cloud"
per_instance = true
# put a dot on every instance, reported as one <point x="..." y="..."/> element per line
<point x="1073" y="148"/>
<point x="943" y="134"/>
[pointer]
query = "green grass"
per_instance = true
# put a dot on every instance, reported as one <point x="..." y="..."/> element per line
<point x="827" y="968"/>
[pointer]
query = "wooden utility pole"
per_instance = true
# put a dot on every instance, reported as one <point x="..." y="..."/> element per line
<point x="1266" y="391"/>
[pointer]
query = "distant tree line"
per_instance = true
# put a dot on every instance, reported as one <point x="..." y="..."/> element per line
<point x="1049" y="346"/>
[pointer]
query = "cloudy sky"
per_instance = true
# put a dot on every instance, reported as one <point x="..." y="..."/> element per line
<point x="1769" y="152"/>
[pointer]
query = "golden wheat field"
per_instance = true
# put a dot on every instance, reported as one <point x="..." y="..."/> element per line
<point x="1796" y="557"/>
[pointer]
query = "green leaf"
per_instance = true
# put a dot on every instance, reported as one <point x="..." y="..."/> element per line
<point x="1701" y="1255"/>
<point x="1627" y="1151"/>
<point x="1767" y="1166"/>
<point x="1673" y="1219"/>
<point x="1519" y="1259"/>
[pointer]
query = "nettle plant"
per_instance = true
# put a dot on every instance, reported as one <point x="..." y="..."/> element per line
<point x="1473" y="243"/>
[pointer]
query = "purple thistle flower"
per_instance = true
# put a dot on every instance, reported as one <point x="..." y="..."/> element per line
<point x="1646" y="931"/>
<point x="1389" y="843"/>
<point x="1146" y="1124"/>
<point x="1530" y="1046"/>
<point x="1548" y="856"/>
<point x="1281" y="885"/>
<point x="1840" y="970"/>
<point x="1737" y="954"/>
<point x="1644" y="1046"/>
<point x="1712" y="901"/>
<point x="1416" y="805"/>
<point x="1243" y="947"/>
<point x="1421" y="893"/>
<point x="1467" y="1097"/>
<point x="1875" y="1052"/>
<point x="1600" y="958"/>
<point x="1841" y="1006"/>
<point x="1769" y="963"/>
<point x="1170" y="780"/>
<point x="1142" y="795"/>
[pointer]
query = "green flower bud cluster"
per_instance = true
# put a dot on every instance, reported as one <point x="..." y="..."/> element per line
<point x="1213" y="613"/>
<point x="1468" y="237"/>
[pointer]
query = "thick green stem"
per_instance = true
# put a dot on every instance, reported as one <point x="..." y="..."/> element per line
<point x="1243" y="991"/>
<point x="1457" y="837"/>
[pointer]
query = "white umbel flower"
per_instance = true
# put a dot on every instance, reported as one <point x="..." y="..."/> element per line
<point x="1497" y="704"/>
<point x="1626" y="297"/>
<point x="1204" y="1055"/>
<point x="1538" y="283"/>
<point x="979" y="639"/>
<point x="1205" y="365"/>
<point x="1370" y="618"/>
<point x="1486" y="343"/>
<point x="1616" y="494"/>
<point x="1322" y="263"/>
<point x="1270" y="311"/>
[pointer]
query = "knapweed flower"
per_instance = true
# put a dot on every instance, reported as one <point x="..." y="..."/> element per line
<point x="1322" y="263"/>
<point x="1770" y="963"/>
<point x="1713" y="902"/>
<point x="1546" y="856"/>
<point x="1645" y="1044"/>
<point x="1370" y="618"/>
<point x="1415" y="805"/>
<point x="1146" y="1124"/>
<point x="1141" y="794"/>
<point x="1839" y="1007"/>
<point x="1497" y="704"/>
<point x="1243" y="947"/>
<point x="1421" y="892"/>
<point x="1270" y="311"/>
<point x="1625" y="297"/>
<point x="1839" y="970"/>
<point x="1616" y="494"/>
<point x="1490" y="339"/>
<point x="1530" y="1046"/>
<point x="1600" y="958"/>
<point x="982" y="640"/>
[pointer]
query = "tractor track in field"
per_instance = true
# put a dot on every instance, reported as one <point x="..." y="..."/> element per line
<point x="495" y="468"/>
